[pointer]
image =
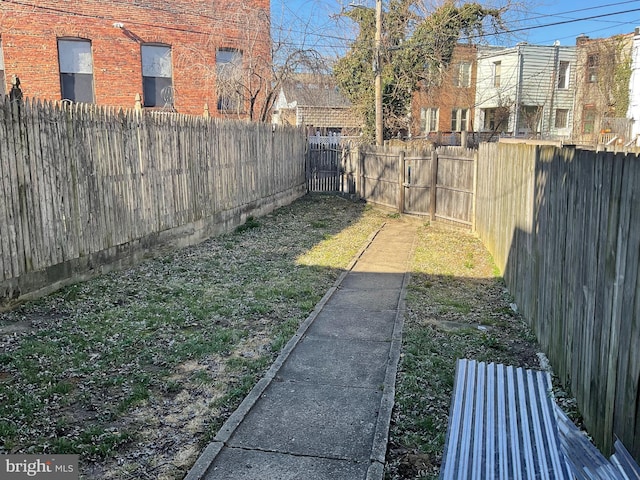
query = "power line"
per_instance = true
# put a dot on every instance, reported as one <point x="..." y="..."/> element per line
<point x="561" y="14"/>
<point x="516" y="30"/>
<point x="564" y="22"/>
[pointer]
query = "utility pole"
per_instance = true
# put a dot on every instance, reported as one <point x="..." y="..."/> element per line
<point x="378" y="73"/>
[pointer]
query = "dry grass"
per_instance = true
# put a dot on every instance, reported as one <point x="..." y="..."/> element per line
<point x="457" y="307"/>
<point x="136" y="370"/>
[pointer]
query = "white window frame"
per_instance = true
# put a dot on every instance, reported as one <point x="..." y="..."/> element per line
<point x="564" y="70"/>
<point x="459" y="119"/>
<point x="562" y="114"/>
<point x="462" y="77"/>
<point x="497" y="73"/>
<point x="429" y="119"/>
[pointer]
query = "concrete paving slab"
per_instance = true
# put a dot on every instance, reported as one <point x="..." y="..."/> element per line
<point x="371" y="300"/>
<point x="353" y="323"/>
<point x="395" y="255"/>
<point x="379" y="267"/>
<point x="239" y="464"/>
<point x="346" y="362"/>
<point x="312" y="420"/>
<point x="372" y="281"/>
<point x="322" y="411"/>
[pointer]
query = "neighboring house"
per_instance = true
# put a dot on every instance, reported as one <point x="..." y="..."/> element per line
<point x="444" y="101"/>
<point x="526" y="90"/>
<point x="633" y="112"/>
<point x="314" y="101"/>
<point x="175" y="54"/>
<point x="602" y="92"/>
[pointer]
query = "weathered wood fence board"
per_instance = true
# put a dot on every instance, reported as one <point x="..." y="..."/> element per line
<point x="81" y="186"/>
<point x="564" y="227"/>
<point x="438" y="183"/>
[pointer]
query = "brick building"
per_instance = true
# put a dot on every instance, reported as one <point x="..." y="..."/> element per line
<point x="177" y="55"/>
<point x="602" y="89"/>
<point x="446" y="104"/>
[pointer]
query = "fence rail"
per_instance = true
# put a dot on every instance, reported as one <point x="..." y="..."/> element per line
<point x="82" y="186"/>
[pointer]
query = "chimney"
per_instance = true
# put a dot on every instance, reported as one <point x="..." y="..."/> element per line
<point x="581" y="39"/>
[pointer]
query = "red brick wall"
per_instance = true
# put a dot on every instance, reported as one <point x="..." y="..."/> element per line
<point x="29" y="30"/>
<point x="445" y="96"/>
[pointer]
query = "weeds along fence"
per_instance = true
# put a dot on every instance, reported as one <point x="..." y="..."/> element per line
<point x="563" y="225"/>
<point x="84" y="188"/>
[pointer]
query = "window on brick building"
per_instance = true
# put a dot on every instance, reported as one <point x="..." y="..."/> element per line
<point x="462" y="75"/>
<point x="588" y="119"/>
<point x="592" y="68"/>
<point x="428" y="120"/>
<point x="562" y="118"/>
<point x="157" y="81"/>
<point x="229" y="80"/>
<point x="459" y="118"/>
<point x="76" y="70"/>
<point x="3" y="84"/>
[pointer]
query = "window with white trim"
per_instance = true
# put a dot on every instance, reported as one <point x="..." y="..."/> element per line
<point x="428" y="120"/>
<point x="562" y="118"/>
<point x="459" y="120"/>
<point x="563" y="75"/>
<point x="462" y="77"/>
<point x="497" y="72"/>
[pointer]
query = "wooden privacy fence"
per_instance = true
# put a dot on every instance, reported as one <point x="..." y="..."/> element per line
<point x="83" y="186"/>
<point x="564" y="227"/>
<point x="435" y="182"/>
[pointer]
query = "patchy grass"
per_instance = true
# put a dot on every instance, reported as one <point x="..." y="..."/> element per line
<point x="136" y="370"/>
<point x="456" y="308"/>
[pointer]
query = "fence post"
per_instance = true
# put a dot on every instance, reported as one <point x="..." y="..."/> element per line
<point x="434" y="184"/>
<point x="474" y="199"/>
<point x="401" y="182"/>
<point x="360" y="163"/>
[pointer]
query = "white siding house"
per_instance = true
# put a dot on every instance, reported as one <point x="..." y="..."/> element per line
<point x="526" y="90"/>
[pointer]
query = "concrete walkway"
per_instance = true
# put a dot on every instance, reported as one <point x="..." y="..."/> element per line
<point x="323" y="409"/>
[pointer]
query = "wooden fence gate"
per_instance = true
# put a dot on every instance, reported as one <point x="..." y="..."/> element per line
<point x="438" y="183"/>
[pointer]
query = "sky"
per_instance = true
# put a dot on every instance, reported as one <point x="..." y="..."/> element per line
<point x="310" y="23"/>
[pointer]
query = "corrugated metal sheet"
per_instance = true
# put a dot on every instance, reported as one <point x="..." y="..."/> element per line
<point x="586" y="461"/>
<point x="624" y="462"/>
<point x="502" y="425"/>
